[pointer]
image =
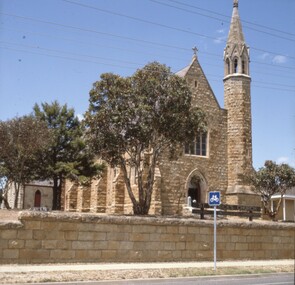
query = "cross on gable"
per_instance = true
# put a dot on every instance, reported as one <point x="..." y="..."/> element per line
<point x="195" y="50"/>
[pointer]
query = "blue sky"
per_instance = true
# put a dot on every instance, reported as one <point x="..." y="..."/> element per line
<point x="55" y="49"/>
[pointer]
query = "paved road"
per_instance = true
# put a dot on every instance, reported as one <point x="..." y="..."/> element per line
<point x="261" y="279"/>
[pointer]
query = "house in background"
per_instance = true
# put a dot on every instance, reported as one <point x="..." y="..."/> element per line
<point x="287" y="209"/>
<point x="36" y="194"/>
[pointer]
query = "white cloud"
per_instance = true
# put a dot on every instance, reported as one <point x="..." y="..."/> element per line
<point x="279" y="59"/>
<point x="283" y="159"/>
<point x="220" y="31"/>
<point x="219" y="40"/>
<point x="264" y="56"/>
<point x="287" y="160"/>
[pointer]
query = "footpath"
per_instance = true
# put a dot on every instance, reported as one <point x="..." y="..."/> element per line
<point x="15" y="268"/>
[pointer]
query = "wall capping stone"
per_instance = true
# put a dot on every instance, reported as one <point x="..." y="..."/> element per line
<point x="147" y="220"/>
<point x="10" y="225"/>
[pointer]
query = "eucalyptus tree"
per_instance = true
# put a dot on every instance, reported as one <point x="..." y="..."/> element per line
<point x="22" y="141"/>
<point x="132" y="120"/>
<point x="269" y="180"/>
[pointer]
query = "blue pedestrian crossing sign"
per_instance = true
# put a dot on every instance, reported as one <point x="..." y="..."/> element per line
<point x="214" y="198"/>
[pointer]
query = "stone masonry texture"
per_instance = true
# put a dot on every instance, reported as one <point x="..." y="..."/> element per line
<point x="81" y="237"/>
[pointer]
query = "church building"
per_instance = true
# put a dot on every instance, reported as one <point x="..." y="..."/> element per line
<point x="214" y="161"/>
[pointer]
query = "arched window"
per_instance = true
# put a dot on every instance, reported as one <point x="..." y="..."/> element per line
<point x="198" y="146"/>
<point x="236" y="65"/>
<point x="243" y="67"/>
<point x="37" y="200"/>
<point x="227" y="66"/>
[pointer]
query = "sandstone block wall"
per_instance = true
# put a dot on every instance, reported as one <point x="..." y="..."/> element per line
<point x="213" y="168"/>
<point x="52" y="237"/>
<point x="237" y="101"/>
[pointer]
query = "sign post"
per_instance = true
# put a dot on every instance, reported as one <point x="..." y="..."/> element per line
<point x="214" y="200"/>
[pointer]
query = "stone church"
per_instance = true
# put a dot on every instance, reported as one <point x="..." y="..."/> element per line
<point x="212" y="162"/>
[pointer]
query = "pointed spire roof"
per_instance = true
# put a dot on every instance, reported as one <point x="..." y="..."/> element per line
<point x="235" y="34"/>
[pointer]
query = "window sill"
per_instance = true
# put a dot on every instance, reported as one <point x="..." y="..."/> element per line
<point x="197" y="156"/>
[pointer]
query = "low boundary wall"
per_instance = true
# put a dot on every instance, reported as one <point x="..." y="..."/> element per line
<point x="71" y="237"/>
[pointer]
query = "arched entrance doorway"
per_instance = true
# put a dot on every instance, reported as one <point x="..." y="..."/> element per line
<point x="37" y="200"/>
<point x="196" y="187"/>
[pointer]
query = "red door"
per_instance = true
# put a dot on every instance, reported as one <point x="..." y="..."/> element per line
<point x="37" y="202"/>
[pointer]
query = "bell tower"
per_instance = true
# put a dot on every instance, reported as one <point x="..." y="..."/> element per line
<point x="237" y="101"/>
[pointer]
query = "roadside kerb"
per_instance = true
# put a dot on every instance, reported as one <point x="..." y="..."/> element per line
<point x="135" y="266"/>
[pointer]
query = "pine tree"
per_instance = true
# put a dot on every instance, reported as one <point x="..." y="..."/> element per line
<point x="68" y="155"/>
<point x="22" y="141"/>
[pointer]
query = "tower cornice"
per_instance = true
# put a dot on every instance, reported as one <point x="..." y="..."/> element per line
<point x="236" y="75"/>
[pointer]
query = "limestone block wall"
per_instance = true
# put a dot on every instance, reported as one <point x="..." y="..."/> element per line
<point x="41" y="237"/>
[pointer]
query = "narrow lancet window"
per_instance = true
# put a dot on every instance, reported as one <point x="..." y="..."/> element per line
<point x="227" y="66"/>
<point x="243" y="67"/>
<point x="236" y="66"/>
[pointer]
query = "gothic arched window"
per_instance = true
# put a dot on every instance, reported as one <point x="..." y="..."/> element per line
<point x="227" y="66"/>
<point x="236" y="65"/>
<point x="243" y="67"/>
<point x="198" y="146"/>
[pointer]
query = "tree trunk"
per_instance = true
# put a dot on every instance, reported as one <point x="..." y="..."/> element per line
<point x="140" y="210"/>
<point x="127" y="182"/>
<point x="4" y="197"/>
<point x="54" y="193"/>
<point x="145" y="188"/>
<point x="59" y="194"/>
<point x="57" y="185"/>
<point x="273" y="213"/>
<point x="16" y="187"/>
<point x="6" y="204"/>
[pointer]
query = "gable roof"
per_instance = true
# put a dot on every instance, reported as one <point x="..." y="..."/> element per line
<point x="186" y="70"/>
<point x="183" y="72"/>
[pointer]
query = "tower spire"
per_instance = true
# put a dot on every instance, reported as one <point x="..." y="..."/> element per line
<point x="237" y="102"/>
<point x="236" y="52"/>
<point x="235" y="32"/>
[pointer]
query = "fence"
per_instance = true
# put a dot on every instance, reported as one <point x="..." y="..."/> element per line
<point x="227" y="210"/>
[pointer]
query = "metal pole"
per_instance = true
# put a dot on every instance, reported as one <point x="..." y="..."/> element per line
<point x="215" y="238"/>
